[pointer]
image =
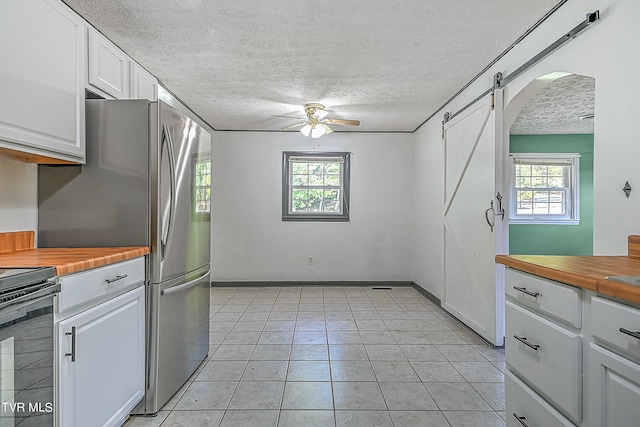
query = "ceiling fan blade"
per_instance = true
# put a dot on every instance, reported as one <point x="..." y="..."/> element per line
<point x="342" y="122"/>
<point x="295" y="125"/>
<point x="289" y="117"/>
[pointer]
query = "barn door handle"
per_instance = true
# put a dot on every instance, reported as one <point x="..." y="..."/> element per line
<point x="500" y="208"/>
<point x="486" y="216"/>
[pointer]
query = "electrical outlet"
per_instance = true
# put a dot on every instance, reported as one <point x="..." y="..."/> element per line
<point x="310" y="260"/>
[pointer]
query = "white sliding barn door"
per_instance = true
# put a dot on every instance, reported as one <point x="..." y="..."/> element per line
<point x="472" y="288"/>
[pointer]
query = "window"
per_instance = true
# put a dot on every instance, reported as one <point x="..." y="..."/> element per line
<point x="545" y="188"/>
<point x="201" y="187"/>
<point x="315" y="186"/>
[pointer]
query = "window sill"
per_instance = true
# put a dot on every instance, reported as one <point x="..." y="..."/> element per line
<point x="518" y="221"/>
<point x="315" y="218"/>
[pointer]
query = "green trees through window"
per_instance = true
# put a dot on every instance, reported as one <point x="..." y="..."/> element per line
<point x="202" y="186"/>
<point x="545" y="188"/>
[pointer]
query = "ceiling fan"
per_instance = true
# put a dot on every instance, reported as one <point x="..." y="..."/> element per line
<point x="316" y="124"/>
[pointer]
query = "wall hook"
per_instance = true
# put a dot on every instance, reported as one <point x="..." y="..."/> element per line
<point x="627" y="189"/>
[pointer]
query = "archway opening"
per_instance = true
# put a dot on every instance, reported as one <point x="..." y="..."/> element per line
<point x="550" y="179"/>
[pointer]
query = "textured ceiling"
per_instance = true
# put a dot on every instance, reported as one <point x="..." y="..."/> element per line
<point x="557" y="108"/>
<point x="237" y="63"/>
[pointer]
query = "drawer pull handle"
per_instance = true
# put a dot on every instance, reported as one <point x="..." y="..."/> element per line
<point x="631" y="333"/>
<point x="524" y="290"/>
<point x="73" y="343"/>
<point x="524" y="341"/>
<point x="520" y="419"/>
<point x="115" y="279"/>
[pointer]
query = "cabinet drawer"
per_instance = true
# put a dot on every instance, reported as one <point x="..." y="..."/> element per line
<point x="78" y="288"/>
<point x="521" y="401"/>
<point x="608" y="318"/>
<point x="555" y="299"/>
<point x="551" y="363"/>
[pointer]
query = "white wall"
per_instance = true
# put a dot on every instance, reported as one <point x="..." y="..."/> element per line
<point x="252" y="243"/>
<point x="18" y="195"/>
<point x="605" y="51"/>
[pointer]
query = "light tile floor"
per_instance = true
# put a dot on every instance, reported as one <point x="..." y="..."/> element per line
<point x="337" y="356"/>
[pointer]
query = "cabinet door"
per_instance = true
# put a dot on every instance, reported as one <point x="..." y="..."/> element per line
<point x="614" y="386"/>
<point x="42" y="79"/>
<point x="108" y="66"/>
<point x="101" y="362"/>
<point x="144" y="85"/>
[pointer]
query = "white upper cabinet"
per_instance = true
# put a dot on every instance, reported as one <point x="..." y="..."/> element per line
<point x="111" y="73"/>
<point x="108" y="67"/>
<point x="143" y="84"/>
<point x="42" y="80"/>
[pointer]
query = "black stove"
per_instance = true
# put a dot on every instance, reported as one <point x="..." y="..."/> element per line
<point x="24" y="276"/>
<point x="17" y="282"/>
<point x="26" y="339"/>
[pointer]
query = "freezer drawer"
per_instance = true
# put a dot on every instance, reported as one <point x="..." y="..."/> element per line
<point x="179" y="335"/>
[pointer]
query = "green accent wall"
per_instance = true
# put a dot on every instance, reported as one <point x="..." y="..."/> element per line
<point x="552" y="239"/>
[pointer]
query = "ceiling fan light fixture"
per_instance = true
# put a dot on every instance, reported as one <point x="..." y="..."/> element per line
<point x="327" y="129"/>
<point x="306" y="129"/>
<point x="320" y="113"/>
<point x="318" y="131"/>
<point x="316" y="124"/>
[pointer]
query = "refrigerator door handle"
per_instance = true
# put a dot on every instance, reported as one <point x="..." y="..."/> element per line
<point x="166" y="140"/>
<point x="183" y="286"/>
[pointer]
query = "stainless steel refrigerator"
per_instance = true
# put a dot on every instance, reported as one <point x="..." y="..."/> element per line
<point x="144" y="184"/>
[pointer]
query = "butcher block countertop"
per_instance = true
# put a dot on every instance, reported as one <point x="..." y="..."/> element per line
<point x="17" y="251"/>
<point x="70" y="260"/>
<point x="586" y="272"/>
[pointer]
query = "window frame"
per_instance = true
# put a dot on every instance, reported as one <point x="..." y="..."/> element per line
<point x="199" y="158"/>
<point x="572" y="217"/>
<point x="287" y="188"/>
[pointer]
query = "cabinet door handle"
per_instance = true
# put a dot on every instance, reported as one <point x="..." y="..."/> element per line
<point x="115" y="279"/>
<point x="524" y="341"/>
<point x="73" y="343"/>
<point x="631" y="333"/>
<point x="524" y="290"/>
<point x="520" y="419"/>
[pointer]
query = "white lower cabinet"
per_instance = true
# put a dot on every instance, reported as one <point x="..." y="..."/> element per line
<point x="525" y="408"/>
<point x="566" y="369"/>
<point x="614" y="369"/>
<point x="615" y="389"/>
<point x="100" y="359"/>
<point x="543" y="348"/>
